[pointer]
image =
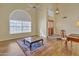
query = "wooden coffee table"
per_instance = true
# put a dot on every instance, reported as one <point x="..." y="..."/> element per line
<point x="31" y="40"/>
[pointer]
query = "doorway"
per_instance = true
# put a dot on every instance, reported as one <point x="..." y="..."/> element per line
<point x="50" y="27"/>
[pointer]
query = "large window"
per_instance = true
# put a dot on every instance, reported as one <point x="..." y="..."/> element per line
<point x="19" y="24"/>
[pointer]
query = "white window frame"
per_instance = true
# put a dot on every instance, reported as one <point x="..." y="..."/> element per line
<point x="15" y="31"/>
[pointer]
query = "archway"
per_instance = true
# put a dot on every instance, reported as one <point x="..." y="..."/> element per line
<point x="19" y="22"/>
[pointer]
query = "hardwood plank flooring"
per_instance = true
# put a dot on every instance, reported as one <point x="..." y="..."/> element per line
<point x="10" y="48"/>
<point x="52" y="47"/>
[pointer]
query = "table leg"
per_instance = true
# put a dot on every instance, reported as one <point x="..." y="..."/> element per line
<point x="24" y="41"/>
<point x="42" y="42"/>
<point x="30" y="46"/>
<point x="66" y="42"/>
<point x="71" y="43"/>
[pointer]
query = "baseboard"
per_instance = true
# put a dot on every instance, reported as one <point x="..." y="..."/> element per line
<point x="17" y="38"/>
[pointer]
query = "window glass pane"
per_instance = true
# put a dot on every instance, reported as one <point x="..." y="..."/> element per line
<point x="26" y="26"/>
<point x="17" y="26"/>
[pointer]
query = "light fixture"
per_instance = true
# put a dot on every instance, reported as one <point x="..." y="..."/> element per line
<point x="34" y="6"/>
<point x="57" y="11"/>
<point x="77" y="23"/>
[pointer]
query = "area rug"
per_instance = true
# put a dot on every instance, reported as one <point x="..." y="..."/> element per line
<point x="25" y="47"/>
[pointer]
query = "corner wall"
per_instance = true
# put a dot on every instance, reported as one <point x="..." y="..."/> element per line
<point x="71" y="11"/>
<point x="5" y="10"/>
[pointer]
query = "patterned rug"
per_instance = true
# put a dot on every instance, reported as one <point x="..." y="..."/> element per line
<point x="26" y="48"/>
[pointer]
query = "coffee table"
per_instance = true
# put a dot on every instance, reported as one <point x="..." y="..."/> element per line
<point x="30" y="40"/>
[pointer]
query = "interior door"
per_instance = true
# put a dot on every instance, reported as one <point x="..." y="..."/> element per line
<point x="50" y="27"/>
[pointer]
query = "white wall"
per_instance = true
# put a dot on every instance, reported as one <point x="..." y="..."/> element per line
<point x="69" y="24"/>
<point x="39" y="19"/>
<point x="52" y="7"/>
<point x="5" y="10"/>
<point x="42" y="20"/>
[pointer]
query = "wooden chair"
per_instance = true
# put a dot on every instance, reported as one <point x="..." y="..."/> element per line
<point x="63" y="34"/>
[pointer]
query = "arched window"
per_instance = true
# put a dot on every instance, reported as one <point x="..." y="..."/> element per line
<point x="19" y="22"/>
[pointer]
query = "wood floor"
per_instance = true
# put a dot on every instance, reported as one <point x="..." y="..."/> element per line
<point x="52" y="47"/>
<point x="10" y="48"/>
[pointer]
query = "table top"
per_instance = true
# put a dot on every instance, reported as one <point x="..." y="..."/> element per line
<point x="32" y="39"/>
<point x="74" y="35"/>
